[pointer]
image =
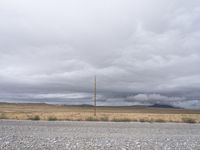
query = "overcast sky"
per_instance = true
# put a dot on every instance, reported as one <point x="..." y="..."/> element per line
<point x="142" y="51"/>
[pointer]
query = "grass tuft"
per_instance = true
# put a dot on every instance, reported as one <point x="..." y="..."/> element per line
<point x="121" y="120"/>
<point x="104" y="118"/>
<point x="36" y="117"/>
<point x="91" y="119"/>
<point x="159" y="120"/>
<point x="188" y="120"/>
<point x="142" y="120"/>
<point x="3" y="116"/>
<point x="52" y="118"/>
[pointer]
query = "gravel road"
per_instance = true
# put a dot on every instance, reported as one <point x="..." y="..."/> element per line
<point x="98" y="135"/>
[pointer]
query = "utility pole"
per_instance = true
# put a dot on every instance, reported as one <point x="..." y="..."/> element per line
<point x="95" y="95"/>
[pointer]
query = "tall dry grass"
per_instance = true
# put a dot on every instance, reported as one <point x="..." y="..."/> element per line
<point x="117" y="114"/>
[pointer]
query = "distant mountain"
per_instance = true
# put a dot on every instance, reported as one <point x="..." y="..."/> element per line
<point x="79" y="105"/>
<point x="162" y="106"/>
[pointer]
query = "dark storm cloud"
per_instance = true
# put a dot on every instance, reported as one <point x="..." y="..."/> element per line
<point x="142" y="52"/>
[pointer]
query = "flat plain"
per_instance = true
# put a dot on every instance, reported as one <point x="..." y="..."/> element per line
<point x="85" y="113"/>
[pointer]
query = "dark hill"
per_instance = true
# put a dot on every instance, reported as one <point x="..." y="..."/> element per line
<point x="162" y="106"/>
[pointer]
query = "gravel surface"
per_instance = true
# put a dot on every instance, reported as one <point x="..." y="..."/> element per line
<point x="98" y="135"/>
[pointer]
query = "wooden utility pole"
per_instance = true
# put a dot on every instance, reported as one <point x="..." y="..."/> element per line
<point x="95" y="94"/>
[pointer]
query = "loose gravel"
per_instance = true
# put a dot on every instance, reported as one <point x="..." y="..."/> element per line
<point x="60" y="135"/>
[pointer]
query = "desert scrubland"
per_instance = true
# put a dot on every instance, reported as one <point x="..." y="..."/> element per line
<point x="86" y="113"/>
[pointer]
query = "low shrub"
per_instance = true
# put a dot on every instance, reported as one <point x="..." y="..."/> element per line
<point x="3" y="116"/>
<point x="142" y="120"/>
<point x="159" y="120"/>
<point x="104" y="118"/>
<point x="79" y="119"/>
<point x="91" y="119"/>
<point x="121" y="119"/>
<point x="36" y="117"/>
<point x="149" y="120"/>
<point x="52" y="118"/>
<point x="188" y="120"/>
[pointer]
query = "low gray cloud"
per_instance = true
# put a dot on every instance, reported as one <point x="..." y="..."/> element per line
<point x="142" y="52"/>
<point x="154" y="98"/>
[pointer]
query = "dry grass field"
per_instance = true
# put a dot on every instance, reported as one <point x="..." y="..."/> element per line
<point x="85" y="113"/>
